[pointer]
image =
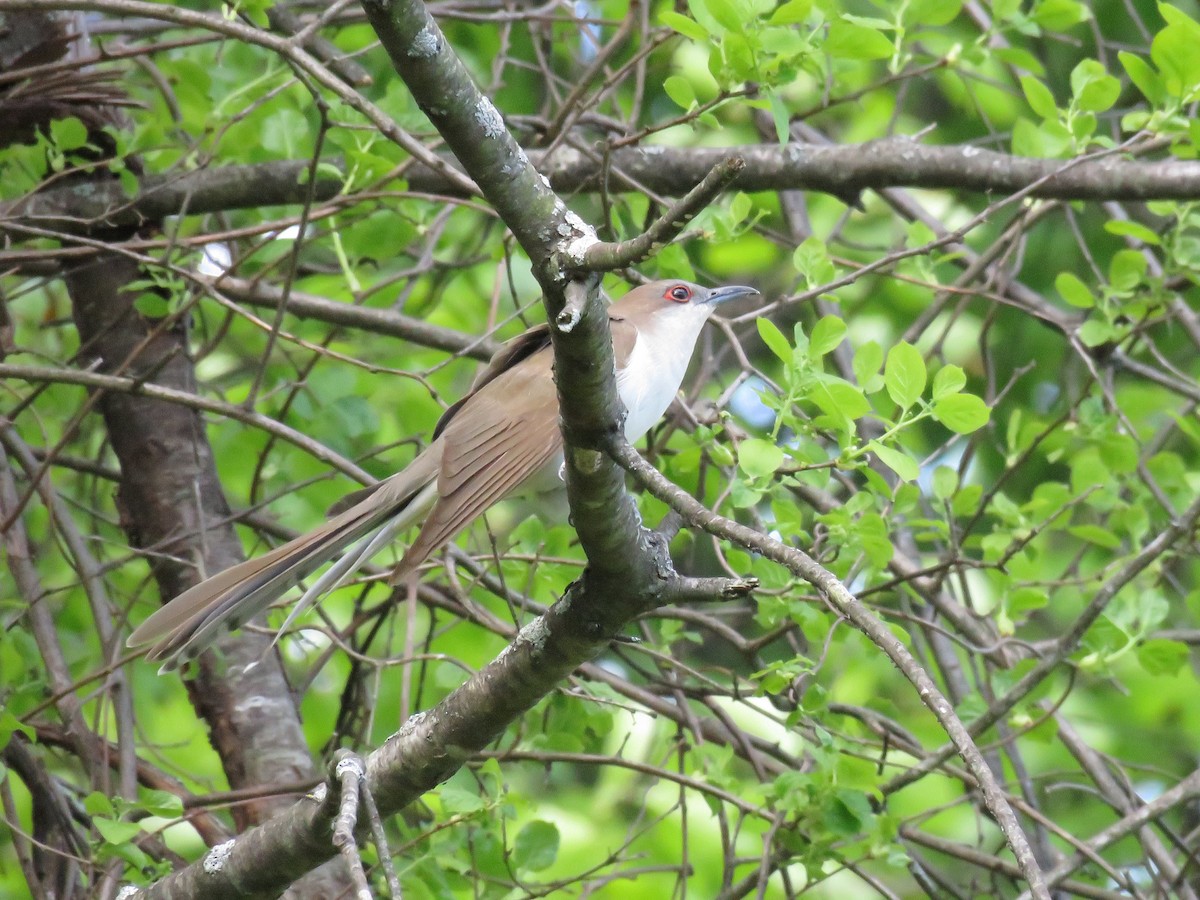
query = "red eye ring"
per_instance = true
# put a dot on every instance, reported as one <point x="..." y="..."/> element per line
<point x="680" y="293"/>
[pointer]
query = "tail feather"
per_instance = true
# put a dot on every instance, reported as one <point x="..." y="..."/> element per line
<point x="242" y="601"/>
<point x="191" y="621"/>
<point x="356" y="556"/>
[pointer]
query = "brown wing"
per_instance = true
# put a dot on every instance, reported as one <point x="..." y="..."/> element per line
<point x="500" y="435"/>
<point x="514" y="351"/>
<point x="504" y="435"/>
<point x="624" y="336"/>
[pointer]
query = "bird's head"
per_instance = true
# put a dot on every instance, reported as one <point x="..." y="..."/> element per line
<point x="676" y="299"/>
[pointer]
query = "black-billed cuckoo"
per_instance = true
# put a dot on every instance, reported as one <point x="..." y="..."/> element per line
<point x="501" y="440"/>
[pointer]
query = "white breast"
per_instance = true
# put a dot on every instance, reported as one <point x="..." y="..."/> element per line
<point x="656" y="366"/>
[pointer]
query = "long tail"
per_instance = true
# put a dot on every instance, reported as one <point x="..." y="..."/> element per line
<point x="191" y="621"/>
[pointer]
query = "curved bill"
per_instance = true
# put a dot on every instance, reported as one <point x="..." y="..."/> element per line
<point x="730" y="292"/>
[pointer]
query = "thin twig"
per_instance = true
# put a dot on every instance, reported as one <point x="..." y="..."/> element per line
<point x="96" y="380"/>
<point x="847" y="605"/>
<point x="605" y="257"/>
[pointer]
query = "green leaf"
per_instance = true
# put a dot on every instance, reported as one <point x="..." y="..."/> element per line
<point x="283" y="131"/>
<point x="1126" y="269"/>
<point x="356" y="416"/>
<point x="904" y="374"/>
<point x="1142" y="74"/>
<point x="900" y="463"/>
<point x="1039" y="98"/>
<point x="1177" y="18"/>
<point x="780" y="117"/>
<point x="1131" y="229"/>
<point x="679" y="89"/>
<point x="918" y="235"/>
<point x="1027" y="139"/>
<point x="839" y="398"/>
<point x="1094" y="89"/>
<point x="1095" y="332"/>
<point x="950" y="379"/>
<point x="966" y="501"/>
<point x="1094" y="534"/>
<point x="744" y="495"/>
<point x="811" y="260"/>
<point x="161" y="803"/>
<point x="1018" y="58"/>
<point x="536" y="846"/>
<point x="69" y="133"/>
<point x="254" y="10"/>
<point x="718" y="453"/>
<point x="851" y="41"/>
<point x="945" y="482"/>
<point x="800" y="343"/>
<point x="458" y="801"/>
<point x="114" y="831"/>
<point x="1059" y="15"/>
<point x="847" y="813"/>
<point x="774" y="339"/>
<point x="724" y="12"/>
<point x="962" y="413"/>
<point x="1088" y="472"/>
<point x="741" y="60"/>
<point x="1025" y="600"/>
<point x="1072" y="289"/>
<point x="383" y="235"/>
<point x="1003" y="10"/>
<point x="826" y="335"/>
<point x="873" y="537"/>
<point x="867" y="360"/>
<point x="1083" y="126"/>
<point x="740" y="207"/>
<point x="934" y="13"/>
<point x="683" y="25"/>
<point x="786" y="45"/>
<point x="153" y="305"/>
<point x="1173" y="51"/>
<point x="1159" y="656"/>
<point x="10" y="724"/>
<point x="1120" y="452"/>
<point x="99" y="804"/>
<point x="759" y="458"/>
<point x="793" y="12"/>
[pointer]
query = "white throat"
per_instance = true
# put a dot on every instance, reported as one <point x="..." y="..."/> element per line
<point x="657" y="364"/>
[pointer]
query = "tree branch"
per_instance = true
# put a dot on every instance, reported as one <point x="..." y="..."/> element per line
<point x="284" y="47"/>
<point x="845" y="604"/>
<point x="376" y="321"/>
<point x="1150" y="554"/>
<point x="126" y="385"/>
<point x="82" y="205"/>
<point x="605" y="257"/>
<point x="170" y="498"/>
<point x="474" y="130"/>
<point x="628" y="566"/>
<point x="839" y="169"/>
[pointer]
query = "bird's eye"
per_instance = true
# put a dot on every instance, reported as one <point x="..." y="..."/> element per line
<point x="680" y="293"/>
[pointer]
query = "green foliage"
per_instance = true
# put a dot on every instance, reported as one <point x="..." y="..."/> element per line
<point x="840" y="403"/>
<point x="536" y="846"/>
<point x="977" y="413"/>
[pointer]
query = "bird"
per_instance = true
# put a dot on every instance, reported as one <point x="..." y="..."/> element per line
<point x="501" y="440"/>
